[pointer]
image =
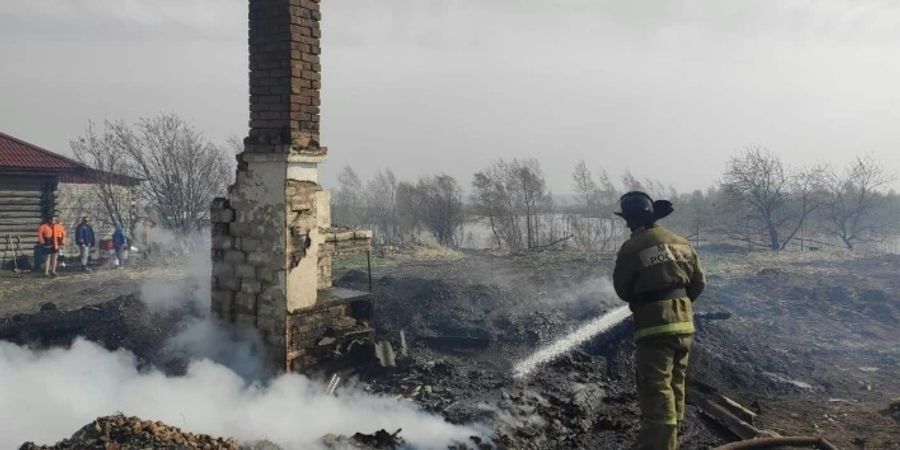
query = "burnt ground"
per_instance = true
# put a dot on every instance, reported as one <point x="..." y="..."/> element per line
<point x="810" y="342"/>
<point x="820" y="351"/>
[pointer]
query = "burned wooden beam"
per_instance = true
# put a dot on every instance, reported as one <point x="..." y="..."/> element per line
<point x="738" y="410"/>
<point x="732" y="423"/>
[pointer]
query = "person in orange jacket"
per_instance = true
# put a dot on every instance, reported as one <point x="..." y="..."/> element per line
<point x="52" y="236"/>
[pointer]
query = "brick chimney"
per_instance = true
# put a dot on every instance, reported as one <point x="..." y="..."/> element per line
<point x="272" y="240"/>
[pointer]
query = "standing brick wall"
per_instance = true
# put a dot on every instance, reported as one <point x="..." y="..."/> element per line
<point x="285" y="74"/>
<point x="270" y="272"/>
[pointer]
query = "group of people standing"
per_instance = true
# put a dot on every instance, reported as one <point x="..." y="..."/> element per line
<point x="52" y="237"/>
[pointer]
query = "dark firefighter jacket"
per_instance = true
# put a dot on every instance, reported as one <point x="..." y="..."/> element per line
<point x="658" y="273"/>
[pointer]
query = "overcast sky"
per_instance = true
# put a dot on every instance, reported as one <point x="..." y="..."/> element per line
<point x="668" y="89"/>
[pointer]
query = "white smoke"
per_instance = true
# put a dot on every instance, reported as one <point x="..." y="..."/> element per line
<point x="190" y="256"/>
<point x="585" y="294"/>
<point x="205" y="338"/>
<point x="50" y="394"/>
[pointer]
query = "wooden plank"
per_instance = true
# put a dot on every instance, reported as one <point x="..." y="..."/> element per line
<point x="733" y="423"/>
<point x="23" y="183"/>
<point x="20" y="215"/>
<point x="30" y="227"/>
<point x="30" y="203"/>
<point x="739" y="410"/>
<point x="26" y="223"/>
<point x="19" y="201"/>
<point x="29" y="235"/>
<point x="6" y="192"/>
<point x="26" y="249"/>
<point x="35" y="209"/>
<point x="24" y="234"/>
<point x="21" y="233"/>
<point x="20" y="223"/>
<point x="17" y="230"/>
<point x="26" y="246"/>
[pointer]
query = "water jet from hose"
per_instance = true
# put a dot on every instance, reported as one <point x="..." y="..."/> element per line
<point x="566" y="343"/>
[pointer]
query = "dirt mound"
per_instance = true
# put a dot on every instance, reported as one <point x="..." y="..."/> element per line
<point x="120" y="432"/>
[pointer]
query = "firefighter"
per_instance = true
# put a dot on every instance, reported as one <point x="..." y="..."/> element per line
<point x="658" y="273"/>
<point x="52" y="236"/>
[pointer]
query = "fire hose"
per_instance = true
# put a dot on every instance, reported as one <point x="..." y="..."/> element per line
<point x="735" y="417"/>
<point x="760" y="443"/>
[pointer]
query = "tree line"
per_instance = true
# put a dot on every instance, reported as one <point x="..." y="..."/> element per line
<point x="770" y="204"/>
<point x="399" y="211"/>
<point x="759" y="202"/>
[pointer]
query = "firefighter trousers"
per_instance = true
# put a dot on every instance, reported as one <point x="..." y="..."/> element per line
<point x="661" y="364"/>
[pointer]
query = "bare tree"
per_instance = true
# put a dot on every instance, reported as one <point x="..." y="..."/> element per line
<point x="110" y="164"/>
<point x="381" y="207"/>
<point x="489" y="200"/>
<point x="440" y="208"/>
<point x="349" y="206"/>
<point x="586" y="189"/>
<point x="594" y="228"/>
<point x="592" y="233"/>
<point x="696" y="213"/>
<point x="806" y="187"/>
<point x="526" y="180"/>
<point x="652" y="187"/>
<point x="514" y="197"/>
<point x="756" y="181"/>
<point x="181" y="171"/>
<point x="408" y="213"/>
<point x="631" y="183"/>
<point x="853" y="198"/>
<point x="234" y="146"/>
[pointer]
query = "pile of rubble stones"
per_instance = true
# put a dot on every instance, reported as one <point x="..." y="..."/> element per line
<point x="120" y="432"/>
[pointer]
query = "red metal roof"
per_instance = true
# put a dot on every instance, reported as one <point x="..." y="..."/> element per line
<point x="18" y="154"/>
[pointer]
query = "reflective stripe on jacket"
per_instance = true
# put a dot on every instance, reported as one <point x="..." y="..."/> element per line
<point x="657" y="260"/>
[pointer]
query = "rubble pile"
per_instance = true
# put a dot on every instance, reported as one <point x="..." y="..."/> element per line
<point x="120" y="432"/>
<point x="568" y="405"/>
<point x="463" y="336"/>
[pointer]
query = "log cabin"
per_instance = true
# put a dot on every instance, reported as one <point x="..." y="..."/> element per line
<point x="36" y="183"/>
